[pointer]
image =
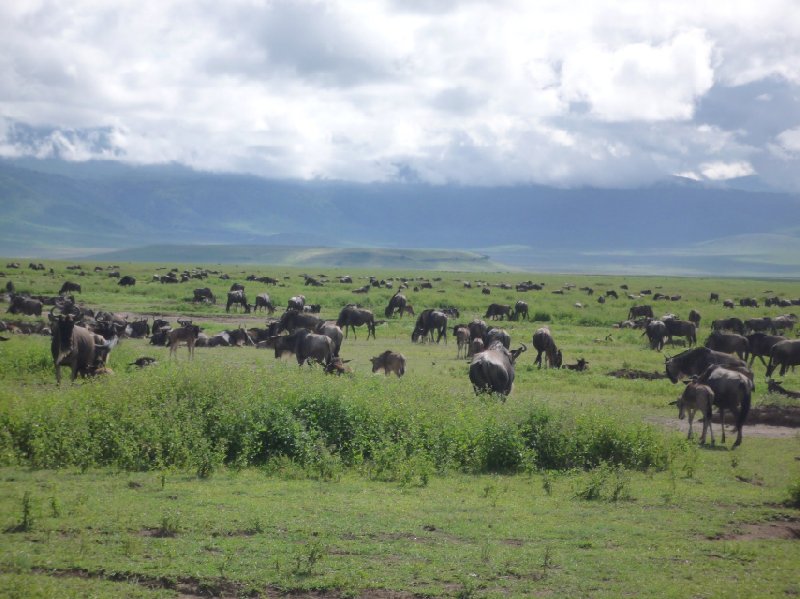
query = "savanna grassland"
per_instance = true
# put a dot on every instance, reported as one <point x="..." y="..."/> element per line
<point x="237" y="474"/>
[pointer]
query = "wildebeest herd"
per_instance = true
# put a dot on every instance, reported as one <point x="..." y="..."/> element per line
<point x="718" y="374"/>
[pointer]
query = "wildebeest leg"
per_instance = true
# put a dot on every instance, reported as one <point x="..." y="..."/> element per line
<point x="538" y="359"/>
<point x="722" y="422"/>
<point x="691" y="418"/>
<point x="735" y="412"/>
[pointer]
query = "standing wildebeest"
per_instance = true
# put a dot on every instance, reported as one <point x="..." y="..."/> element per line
<point x="486" y="291"/>
<point x="476" y="346"/>
<point x="783" y="322"/>
<point x="520" y="309"/>
<point x="389" y="362"/>
<point x="748" y="302"/>
<point x="428" y="322"/>
<point x="264" y="302"/>
<point x="76" y="347"/>
<point x="296" y="302"/>
<point x="236" y="287"/>
<point x="397" y="303"/>
<point x="543" y="343"/>
<point x="760" y="346"/>
<point x="332" y="330"/>
<point x="237" y="297"/>
<point x="461" y="333"/>
<point x="186" y="334"/>
<point x="203" y="294"/>
<point x="127" y="281"/>
<point x="492" y="370"/>
<point x="69" y="287"/>
<point x="656" y="331"/>
<point x="714" y="297"/>
<point x="729" y="324"/>
<point x="732" y="391"/>
<point x="352" y="316"/>
<point x="694" y="316"/>
<point x="477" y="329"/>
<point x="694" y="362"/>
<point x="637" y="311"/>
<point x="681" y="328"/>
<point x="729" y="343"/>
<point x="305" y="345"/>
<point x="758" y="325"/>
<point x="784" y="354"/>
<point x="728" y="303"/>
<point x="697" y="397"/>
<point x="292" y="319"/>
<point x="498" y="310"/>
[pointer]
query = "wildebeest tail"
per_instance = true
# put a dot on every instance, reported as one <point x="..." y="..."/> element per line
<point x="744" y="410"/>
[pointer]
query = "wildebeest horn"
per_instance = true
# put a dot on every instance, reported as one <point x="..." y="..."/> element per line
<point x="523" y="347"/>
<point x="673" y="403"/>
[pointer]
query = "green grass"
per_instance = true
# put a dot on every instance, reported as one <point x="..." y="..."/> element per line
<point x="240" y="474"/>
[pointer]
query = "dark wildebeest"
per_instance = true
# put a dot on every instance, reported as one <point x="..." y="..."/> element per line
<point x="694" y="362"/>
<point x="492" y="370"/>
<point x="346" y="279"/>
<point x="544" y="344"/>
<point x="477" y="329"/>
<point x="486" y="291"/>
<point x="428" y="322"/>
<point x="313" y="308"/>
<point x="758" y="325"/>
<point x="580" y="366"/>
<point x="237" y="298"/>
<point x="296" y="302"/>
<point x="138" y="329"/>
<point x="461" y="333"/>
<point x="729" y="324"/>
<point x="730" y="343"/>
<point x="656" y="332"/>
<point x="76" y="347"/>
<point x="292" y="319"/>
<point x="204" y="294"/>
<point x="337" y="366"/>
<point x="494" y="334"/>
<point x="612" y="293"/>
<point x="748" y="302"/>
<point x="69" y="287"/>
<point x="127" y="281"/>
<point x="697" y="397"/>
<point x="476" y="346"/>
<point x="782" y="322"/>
<point x="714" y="297"/>
<point x="498" y="310"/>
<point x="10" y="287"/>
<point x="332" y="330"/>
<point x="25" y="305"/>
<point x="264" y="302"/>
<point x="520" y="309"/>
<point x="389" y="362"/>
<point x="352" y="316"/>
<point x="187" y="334"/>
<point x="775" y="387"/>
<point x="694" y="316"/>
<point x="784" y="354"/>
<point x="306" y="346"/>
<point x="728" y="303"/>
<point x="760" y="346"/>
<point x="236" y="287"/>
<point x="397" y="303"/>
<point x="732" y="391"/>
<point x="638" y="311"/>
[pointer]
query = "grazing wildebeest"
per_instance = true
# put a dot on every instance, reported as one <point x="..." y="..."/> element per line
<point x="775" y="387"/>
<point x="292" y="319"/>
<point x="203" y="294"/>
<point x="697" y="397"/>
<point x="352" y="316"/>
<point x="760" y="346"/>
<point x="498" y="310"/>
<point x="296" y="302"/>
<point x="397" y="303"/>
<point x="729" y="324"/>
<point x="638" y="311"/>
<point x="264" y="302"/>
<point x="337" y="366"/>
<point x="730" y="343"/>
<point x="694" y="316"/>
<point x="612" y="293"/>
<point x="332" y="330"/>
<point x="495" y="334"/>
<point x="656" y="332"/>
<point x="237" y="298"/>
<point x="732" y="391"/>
<point x="728" y="303"/>
<point x="784" y="354"/>
<point x="389" y="362"/>
<point x="127" y="281"/>
<point x="758" y="325"/>
<point x="236" y="287"/>
<point x="76" y="347"/>
<point x="461" y="333"/>
<point x="544" y="344"/>
<point x="748" y="302"/>
<point x="486" y="291"/>
<point x="520" y="309"/>
<point x="69" y="287"/>
<point x="492" y="370"/>
<point x="185" y="334"/>
<point x="428" y="322"/>
<point x="694" y="362"/>
<point x="24" y="305"/>
<point x="714" y="297"/>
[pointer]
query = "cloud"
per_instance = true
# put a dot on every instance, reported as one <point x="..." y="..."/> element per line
<point x="720" y="171"/>
<point x="790" y="140"/>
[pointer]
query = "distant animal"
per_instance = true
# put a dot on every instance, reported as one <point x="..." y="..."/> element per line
<point x="236" y="287"/>
<point x="714" y="297"/>
<point x="694" y="316"/>
<point x="612" y="293"/>
<point x="729" y="324"/>
<point x="187" y="335"/>
<point x="784" y="354"/>
<point x="748" y="302"/>
<point x="127" y="281"/>
<point x="492" y="370"/>
<point x="430" y="321"/>
<point x="296" y="302"/>
<point x="389" y="362"/>
<point x="775" y="387"/>
<point x="306" y="346"/>
<point x="697" y="397"/>
<point x="580" y="366"/>
<point x="476" y="346"/>
<point x="730" y="343"/>
<point x="397" y="303"/>
<point x="520" y="310"/>
<point x="203" y="294"/>
<point x="728" y="303"/>
<point x="138" y="329"/>
<point x="637" y="311"/>
<point x="544" y="344"/>
<point x="656" y="332"/>
<point x="264" y="302"/>
<point x="461" y="333"/>
<point x="352" y="316"/>
<point x="477" y="329"/>
<point x="486" y="291"/>
<point x="759" y="346"/>
<point x="69" y="287"/>
<point x="758" y="325"/>
<point x="237" y="298"/>
<point x="495" y="311"/>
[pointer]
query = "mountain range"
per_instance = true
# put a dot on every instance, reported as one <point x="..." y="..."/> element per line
<point x="56" y="208"/>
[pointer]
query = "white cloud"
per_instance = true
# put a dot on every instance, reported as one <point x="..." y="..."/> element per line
<point x="721" y="171"/>
<point x="790" y="139"/>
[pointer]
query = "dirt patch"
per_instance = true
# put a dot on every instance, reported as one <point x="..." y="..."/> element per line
<point x="788" y="530"/>
<point x="750" y="430"/>
<point x="158" y="533"/>
<point x="772" y="415"/>
<point x="632" y="373"/>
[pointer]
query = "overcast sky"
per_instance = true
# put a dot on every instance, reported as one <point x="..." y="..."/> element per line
<point x="497" y="92"/>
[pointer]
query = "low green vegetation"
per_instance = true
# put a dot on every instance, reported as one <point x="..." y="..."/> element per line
<point x="237" y="474"/>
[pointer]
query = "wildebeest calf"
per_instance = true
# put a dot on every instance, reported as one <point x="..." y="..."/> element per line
<point x="697" y="397"/>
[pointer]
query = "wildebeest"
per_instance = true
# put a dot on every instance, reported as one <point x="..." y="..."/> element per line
<point x="236" y="287"/>
<point x="332" y="330"/>
<point x="494" y="334"/>
<point x="486" y="291"/>
<point x="352" y="316"/>
<point x="237" y="298"/>
<point x="76" y="347"/>
<point x="476" y="346"/>
<point x="760" y="346"/>
<point x="730" y="343"/>
<point x="127" y="281"/>
<point x="143" y="361"/>
<point x="544" y="344"/>
<point x="306" y="346"/>
<point x="430" y="321"/>
<point x="203" y="294"/>
<point x="337" y="366"/>
<point x="714" y="297"/>
<point x="748" y="302"/>
<point x="758" y="325"/>
<point x="697" y="397"/>
<point x="784" y="354"/>
<point x="264" y="302"/>
<point x="775" y="387"/>
<point x="637" y="311"/>
<point x="579" y="366"/>
<point x="612" y="293"/>
<point x="296" y="302"/>
<point x="69" y="287"/>
<point x="729" y="324"/>
<point x="656" y="332"/>
<point x="292" y="319"/>
<point x="498" y="310"/>
<point x="389" y="362"/>
<point x="694" y="362"/>
<point x="477" y="329"/>
<point x="138" y="328"/>
<point x="461" y="333"/>
<point x="186" y="334"/>
<point x="312" y="308"/>
<point x="783" y="322"/>
<point x="520" y="309"/>
<point x="492" y="370"/>
<point x="732" y="391"/>
<point x="728" y="303"/>
<point x="20" y="304"/>
<point x="694" y="316"/>
<point x="397" y="303"/>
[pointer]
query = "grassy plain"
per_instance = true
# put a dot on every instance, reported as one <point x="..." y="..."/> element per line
<point x="238" y="474"/>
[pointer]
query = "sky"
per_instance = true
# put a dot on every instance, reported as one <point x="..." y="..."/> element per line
<point x="472" y="92"/>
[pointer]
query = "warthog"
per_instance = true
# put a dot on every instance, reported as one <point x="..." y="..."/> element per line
<point x="389" y="362"/>
<point x="492" y="370"/>
<point x="544" y="344"/>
